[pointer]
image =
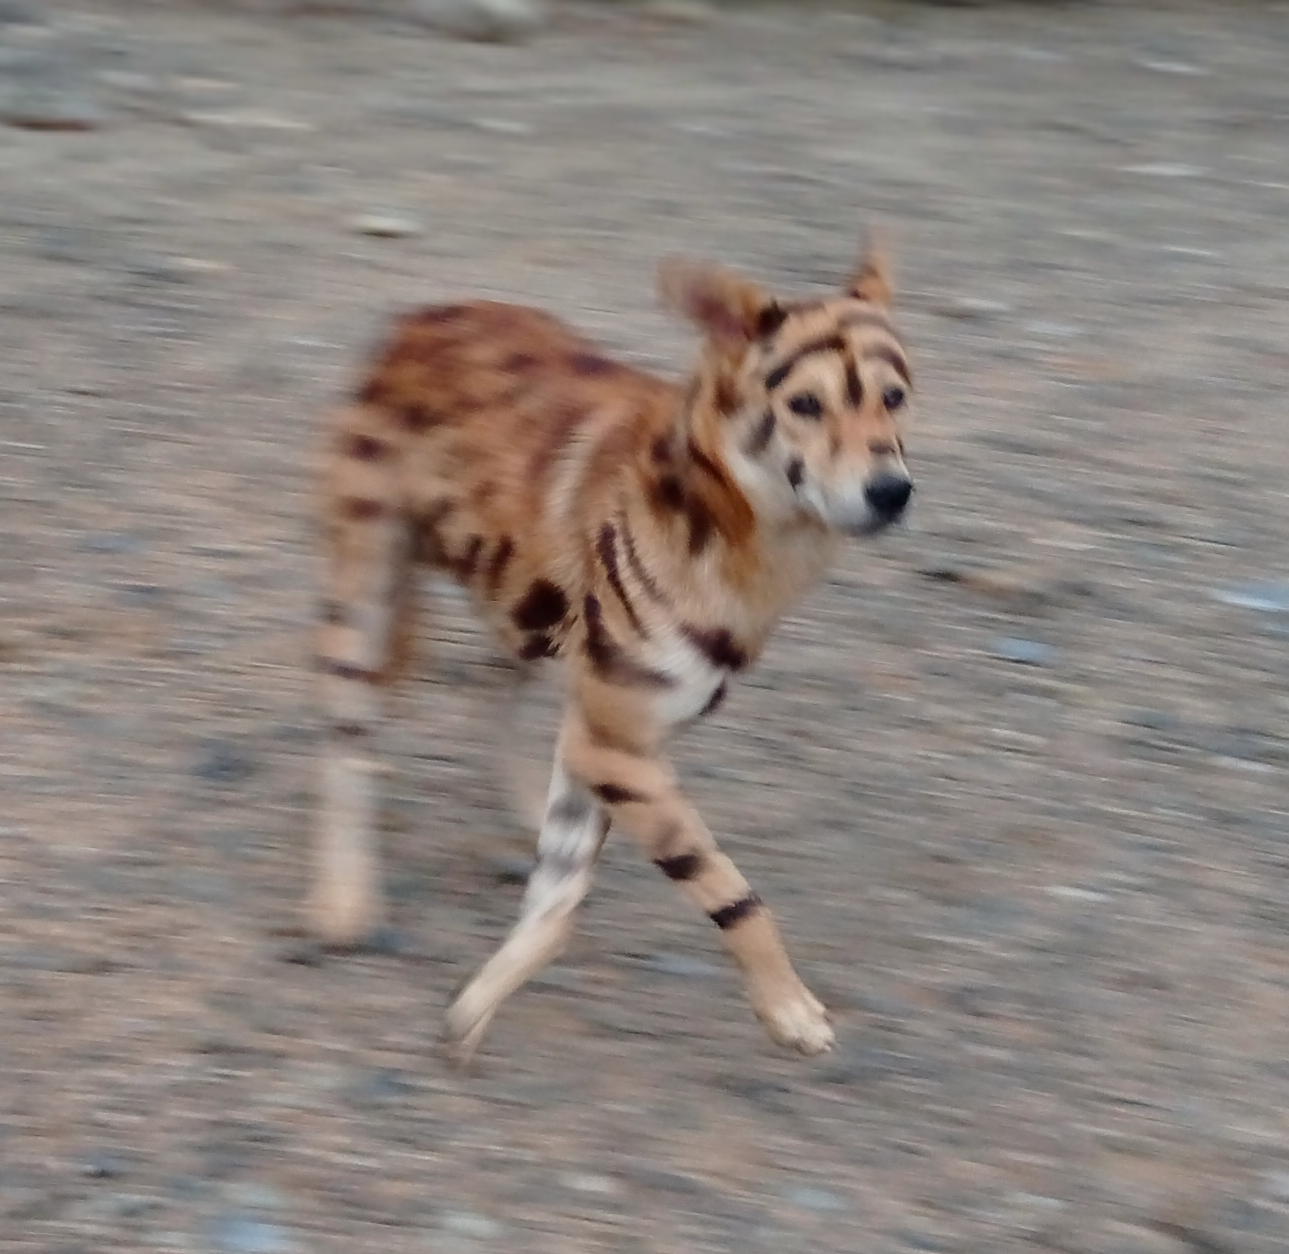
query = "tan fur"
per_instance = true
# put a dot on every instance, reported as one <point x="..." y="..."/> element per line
<point x="647" y="535"/>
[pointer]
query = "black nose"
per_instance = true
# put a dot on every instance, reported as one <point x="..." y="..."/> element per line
<point x="887" y="495"/>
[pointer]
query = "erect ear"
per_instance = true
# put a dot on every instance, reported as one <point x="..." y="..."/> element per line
<point x="731" y="309"/>
<point x="873" y="279"/>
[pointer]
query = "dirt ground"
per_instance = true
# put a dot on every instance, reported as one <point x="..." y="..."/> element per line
<point x="1014" y="780"/>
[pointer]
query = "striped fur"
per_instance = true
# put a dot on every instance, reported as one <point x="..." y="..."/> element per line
<point x="647" y="535"/>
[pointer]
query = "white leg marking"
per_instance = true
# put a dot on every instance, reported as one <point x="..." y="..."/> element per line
<point x="572" y="834"/>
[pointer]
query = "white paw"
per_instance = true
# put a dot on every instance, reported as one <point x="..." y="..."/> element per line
<point x="342" y="917"/>
<point x="799" y="1022"/>
<point x="464" y="1026"/>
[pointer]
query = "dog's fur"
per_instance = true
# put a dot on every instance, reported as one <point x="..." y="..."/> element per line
<point x="647" y="535"/>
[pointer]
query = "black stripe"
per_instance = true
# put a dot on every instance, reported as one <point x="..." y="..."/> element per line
<point x="714" y="700"/>
<point x="727" y="916"/>
<point x="642" y="576"/>
<point x="465" y="565"/>
<point x="868" y="316"/>
<point x="717" y="645"/>
<point x="684" y="866"/>
<point x="762" y="434"/>
<point x="538" y="645"/>
<point x="617" y="794"/>
<point x="497" y="566"/>
<point x="854" y="388"/>
<point x="833" y="343"/>
<point x="893" y="357"/>
<point x="606" y="546"/>
<point x="568" y="810"/>
<point x="332" y="613"/>
<point x="609" y="659"/>
<point x="347" y="670"/>
<point x="349" y="731"/>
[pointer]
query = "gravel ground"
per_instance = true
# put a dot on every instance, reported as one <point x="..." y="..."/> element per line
<point x="1014" y="780"/>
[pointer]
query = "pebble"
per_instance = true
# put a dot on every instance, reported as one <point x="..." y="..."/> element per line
<point x="1159" y="66"/>
<point x="1276" y="1184"/>
<point x="589" y="1182"/>
<point x="378" y="1087"/>
<point x="1022" y="651"/>
<point x="971" y="308"/>
<point x="104" y="1165"/>
<point x="1270" y="597"/>
<point x="244" y="1234"/>
<point x="247" y="119"/>
<point x="38" y="107"/>
<point x="387" y="226"/>
<point x="508" y="868"/>
<point x="682" y="965"/>
<point x="220" y="762"/>
<point x="485" y="21"/>
<point x="111" y="542"/>
<point x="807" y="1198"/>
<point x="466" y="1223"/>
<point x="1165" y="170"/>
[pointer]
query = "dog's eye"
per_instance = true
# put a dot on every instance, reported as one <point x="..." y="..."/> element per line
<point x="893" y="399"/>
<point x="806" y="404"/>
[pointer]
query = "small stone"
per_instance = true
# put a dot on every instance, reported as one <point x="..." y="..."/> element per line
<point x="1070" y="892"/>
<point x="37" y="106"/>
<point x="971" y="308"/>
<point x="111" y="542"/>
<point x="222" y="763"/>
<point x="501" y="126"/>
<point x="387" y="226"/>
<point x="1161" y="66"/>
<point x="1052" y="330"/>
<point x="682" y="965"/>
<point x="1276" y="1184"/>
<point x="244" y="119"/>
<point x="807" y="1198"/>
<point x="1269" y="597"/>
<point x="589" y="1182"/>
<point x="465" y="1223"/>
<point x="104" y="1165"/>
<point x="302" y="953"/>
<point x="660" y="1180"/>
<point x="1022" y="651"/>
<point x="379" y="1087"/>
<point x="486" y="21"/>
<point x="242" y="1234"/>
<point x="1166" y="170"/>
<point x="510" y="868"/>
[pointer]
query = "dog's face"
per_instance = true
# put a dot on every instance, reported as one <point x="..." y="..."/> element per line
<point x="813" y="394"/>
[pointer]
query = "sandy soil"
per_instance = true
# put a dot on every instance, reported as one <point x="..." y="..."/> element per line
<point x="1015" y="780"/>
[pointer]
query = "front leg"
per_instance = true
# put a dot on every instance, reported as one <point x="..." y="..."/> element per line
<point x="604" y="751"/>
<point x="572" y="834"/>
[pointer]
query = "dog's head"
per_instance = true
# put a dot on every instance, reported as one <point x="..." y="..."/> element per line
<point x="807" y="399"/>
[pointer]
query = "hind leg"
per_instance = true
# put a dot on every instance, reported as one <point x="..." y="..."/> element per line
<point x="508" y="695"/>
<point x="572" y="835"/>
<point x="366" y="622"/>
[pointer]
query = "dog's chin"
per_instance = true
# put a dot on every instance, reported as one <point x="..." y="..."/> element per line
<point x="868" y="526"/>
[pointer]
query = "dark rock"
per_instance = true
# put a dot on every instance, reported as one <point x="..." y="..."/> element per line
<point x="220" y="762"/>
<point x="1022" y="651"/>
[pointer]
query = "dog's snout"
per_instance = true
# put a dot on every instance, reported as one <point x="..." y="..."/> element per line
<point x="887" y="495"/>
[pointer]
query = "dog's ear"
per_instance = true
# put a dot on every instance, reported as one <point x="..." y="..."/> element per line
<point x="873" y="278"/>
<point x="730" y="309"/>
